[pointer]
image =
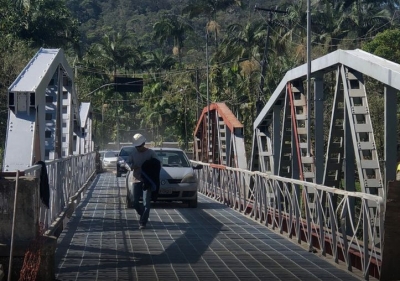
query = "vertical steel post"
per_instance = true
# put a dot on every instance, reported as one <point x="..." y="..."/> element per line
<point x="264" y="60"/>
<point x="102" y="125"/>
<point x="263" y="66"/>
<point x="390" y="141"/>
<point x="117" y="119"/>
<point x="208" y="102"/>
<point x="308" y="78"/>
<point x="198" y="110"/>
<point x="58" y="131"/>
<point x="349" y="168"/>
<point x="319" y="128"/>
<point x="276" y="136"/>
<point x="13" y="227"/>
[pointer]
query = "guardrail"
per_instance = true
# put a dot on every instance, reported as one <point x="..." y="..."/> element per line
<point x="67" y="178"/>
<point x="346" y="225"/>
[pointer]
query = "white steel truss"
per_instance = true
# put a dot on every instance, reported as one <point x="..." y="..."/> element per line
<point x="44" y="121"/>
<point x="350" y="145"/>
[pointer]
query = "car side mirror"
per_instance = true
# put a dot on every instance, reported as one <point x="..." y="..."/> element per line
<point x="198" y="167"/>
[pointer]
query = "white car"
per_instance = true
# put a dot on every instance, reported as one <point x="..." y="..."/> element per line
<point x="110" y="159"/>
<point x="178" y="182"/>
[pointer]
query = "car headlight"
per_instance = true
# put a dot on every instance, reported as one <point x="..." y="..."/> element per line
<point x="122" y="161"/>
<point x="190" y="178"/>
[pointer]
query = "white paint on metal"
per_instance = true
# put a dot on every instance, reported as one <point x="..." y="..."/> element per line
<point x="18" y="156"/>
<point x="22" y="100"/>
<point x="35" y="79"/>
<point x="373" y="66"/>
<point x="84" y="113"/>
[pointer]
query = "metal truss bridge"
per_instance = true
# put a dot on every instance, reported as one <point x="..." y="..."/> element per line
<point x="317" y="174"/>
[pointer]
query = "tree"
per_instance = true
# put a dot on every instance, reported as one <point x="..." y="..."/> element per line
<point x="48" y="23"/>
<point x="368" y="17"/>
<point x="152" y="107"/>
<point x="11" y="66"/>
<point x="115" y="52"/>
<point x="331" y="24"/>
<point x="171" y="27"/>
<point x="209" y="8"/>
<point x="361" y="19"/>
<point x="244" y="42"/>
<point x="158" y="62"/>
<point x="386" y="45"/>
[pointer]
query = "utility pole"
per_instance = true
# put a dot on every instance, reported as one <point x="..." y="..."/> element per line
<point x="197" y="94"/>
<point x="117" y="119"/>
<point x="308" y="77"/>
<point x="264" y="61"/>
<point x="102" y="125"/>
<point x="208" y="102"/>
<point x="185" y="111"/>
<point x="197" y="89"/>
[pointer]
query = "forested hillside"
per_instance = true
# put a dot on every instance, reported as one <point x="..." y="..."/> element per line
<point x="168" y="43"/>
<point x="138" y="17"/>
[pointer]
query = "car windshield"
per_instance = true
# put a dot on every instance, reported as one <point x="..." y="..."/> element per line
<point x="109" y="154"/>
<point x="126" y="151"/>
<point x="170" y="158"/>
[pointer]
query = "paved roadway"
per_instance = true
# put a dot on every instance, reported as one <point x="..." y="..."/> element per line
<point x="213" y="242"/>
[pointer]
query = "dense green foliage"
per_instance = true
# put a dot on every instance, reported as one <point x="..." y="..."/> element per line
<point x="165" y="43"/>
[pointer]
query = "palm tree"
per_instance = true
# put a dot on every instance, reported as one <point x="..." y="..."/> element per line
<point x="368" y="18"/>
<point x="330" y="24"/>
<point x="292" y="29"/>
<point x="334" y="21"/>
<point x="171" y="27"/>
<point x="151" y="111"/>
<point x="158" y="61"/>
<point x="46" y="23"/>
<point x="209" y="8"/>
<point x="243" y="42"/>
<point x="114" y="52"/>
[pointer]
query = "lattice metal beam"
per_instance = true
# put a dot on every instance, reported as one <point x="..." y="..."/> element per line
<point x="42" y="107"/>
<point x="335" y="148"/>
<point x="225" y="137"/>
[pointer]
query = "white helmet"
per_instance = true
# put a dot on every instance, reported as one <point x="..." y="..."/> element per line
<point x="138" y="140"/>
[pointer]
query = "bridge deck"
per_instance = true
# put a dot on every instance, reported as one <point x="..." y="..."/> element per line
<point x="213" y="242"/>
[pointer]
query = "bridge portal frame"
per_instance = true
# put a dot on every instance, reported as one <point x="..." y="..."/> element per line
<point x="218" y="137"/>
<point x="356" y="137"/>
<point x="44" y="115"/>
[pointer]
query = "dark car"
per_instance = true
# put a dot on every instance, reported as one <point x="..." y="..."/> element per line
<point x="122" y="158"/>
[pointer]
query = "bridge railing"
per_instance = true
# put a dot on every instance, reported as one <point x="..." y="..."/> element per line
<point x="67" y="178"/>
<point x="346" y="225"/>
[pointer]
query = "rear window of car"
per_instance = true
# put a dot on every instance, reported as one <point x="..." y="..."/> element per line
<point x="126" y="151"/>
<point x="109" y="154"/>
<point x="171" y="158"/>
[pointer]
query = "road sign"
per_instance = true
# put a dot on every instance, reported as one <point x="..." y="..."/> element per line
<point x="128" y="84"/>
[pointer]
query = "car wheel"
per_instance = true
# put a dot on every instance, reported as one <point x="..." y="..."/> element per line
<point x="192" y="203"/>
